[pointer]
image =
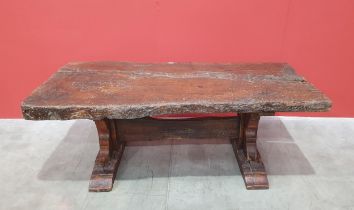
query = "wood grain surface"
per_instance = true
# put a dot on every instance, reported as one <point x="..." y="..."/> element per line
<point x="123" y="90"/>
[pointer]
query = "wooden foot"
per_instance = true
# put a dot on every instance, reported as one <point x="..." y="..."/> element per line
<point x="108" y="157"/>
<point x="247" y="155"/>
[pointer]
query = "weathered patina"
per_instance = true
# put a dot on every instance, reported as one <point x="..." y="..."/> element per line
<point x="120" y="90"/>
<point x="121" y="97"/>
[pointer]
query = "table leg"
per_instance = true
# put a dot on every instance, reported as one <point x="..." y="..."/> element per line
<point x="247" y="155"/>
<point x="108" y="157"/>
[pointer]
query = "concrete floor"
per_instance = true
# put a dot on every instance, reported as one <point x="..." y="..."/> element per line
<point x="47" y="164"/>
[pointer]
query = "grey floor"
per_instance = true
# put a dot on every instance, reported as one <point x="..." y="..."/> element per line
<point x="47" y="164"/>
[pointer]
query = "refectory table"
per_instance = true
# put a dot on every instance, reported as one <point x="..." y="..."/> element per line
<point x="122" y="99"/>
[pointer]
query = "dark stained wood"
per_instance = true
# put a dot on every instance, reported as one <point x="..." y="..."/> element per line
<point x="150" y="129"/>
<point x="121" y="97"/>
<point x="247" y="155"/>
<point x="108" y="157"/>
<point x="118" y="90"/>
<point x="114" y="134"/>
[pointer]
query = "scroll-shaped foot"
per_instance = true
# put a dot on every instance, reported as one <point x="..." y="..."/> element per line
<point x="253" y="172"/>
<point x="108" y="157"/>
<point x="247" y="155"/>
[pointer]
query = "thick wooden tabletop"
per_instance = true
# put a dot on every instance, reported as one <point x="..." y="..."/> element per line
<point x="122" y="90"/>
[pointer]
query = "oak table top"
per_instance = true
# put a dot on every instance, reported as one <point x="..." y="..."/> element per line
<point x="120" y="97"/>
<point x="123" y="90"/>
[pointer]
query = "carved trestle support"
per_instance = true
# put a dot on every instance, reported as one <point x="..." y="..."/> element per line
<point x="108" y="157"/>
<point x="247" y="155"/>
<point x="245" y="148"/>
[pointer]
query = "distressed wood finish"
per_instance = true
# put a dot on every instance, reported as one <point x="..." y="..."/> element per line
<point x="108" y="157"/>
<point x="114" y="134"/>
<point x="247" y="155"/>
<point x="150" y="129"/>
<point x="120" y="97"/>
<point x="117" y="90"/>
